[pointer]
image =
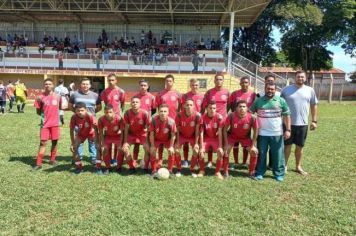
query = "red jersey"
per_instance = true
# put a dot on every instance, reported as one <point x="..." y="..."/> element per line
<point x="148" y="102"/>
<point x="187" y="124"/>
<point x="163" y="129"/>
<point x="240" y="128"/>
<point x="110" y="128"/>
<point x="85" y="125"/>
<point x="238" y="95"/>
<point x="211" y="125"/>
<point x="49" y="106"/>
<point x="114" y="97"/>
<point x="137" y="122"/>
<point x="197" y="99"/>
<point x="221" y="97"/>
<point x="171" y="98"/>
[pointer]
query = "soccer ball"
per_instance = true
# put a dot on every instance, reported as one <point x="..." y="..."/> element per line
<point x="163" y="173"/>
<point x="142" y="164"/>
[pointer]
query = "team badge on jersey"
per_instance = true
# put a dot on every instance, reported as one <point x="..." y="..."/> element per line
<point x="223" y="97"/>
<point x="116" y="128"/>
<point x="173" y="98"/>
<point x="235" y="126"/>
<point x="116" y="97"/>
<point x="246" y="126"/>
<point x="54" y="102"/>
<point x="199" y="102"/>
<point x="192" y="124"/>
<point x="140" y="122"/>
<point x="165" y="130"/>
<point x="86" y="124"/>
<point x="215" y="125"/>
<point x="147" y="101"/>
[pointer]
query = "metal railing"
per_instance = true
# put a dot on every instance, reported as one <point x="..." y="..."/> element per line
<point x="112" y="62"/>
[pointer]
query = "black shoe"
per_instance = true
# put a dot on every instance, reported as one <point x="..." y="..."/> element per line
<point x="77" y="171"/>
<point x="119" y="170"/>
<point x="132" y="171"/>
<point x="106" y="172"/>
<point x="36" y="167"/>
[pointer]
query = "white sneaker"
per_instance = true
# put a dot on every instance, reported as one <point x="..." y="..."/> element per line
<point x="178" y="174"/>
<point x="194" y="175"/>
<point x="142" y="164"/>
<point x="209" y="165"/>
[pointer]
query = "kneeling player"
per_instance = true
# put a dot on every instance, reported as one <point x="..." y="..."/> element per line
<point x="162" y="133"/>
<point x="135" y="133"/>
<point x="85" y="124"/>
<point x="110" y="126"/>
<point x="188" y="125"/>
<point x="212" y="138"/>
<point x="47" y="106"/>
<point x="238" y="126"/>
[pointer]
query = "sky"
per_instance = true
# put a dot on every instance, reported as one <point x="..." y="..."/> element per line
<point x="340" y="60"/>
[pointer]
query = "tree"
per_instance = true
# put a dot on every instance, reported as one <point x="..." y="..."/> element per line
<point x="353" y="77"/>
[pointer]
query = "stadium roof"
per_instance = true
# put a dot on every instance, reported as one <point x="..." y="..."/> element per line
<point x="196" y="12"/>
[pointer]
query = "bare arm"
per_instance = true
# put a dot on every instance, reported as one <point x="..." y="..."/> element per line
<point x="220" y="137"/>
<point x="287" y="123"/>
<point x="314" y="114"/>
<point x="197" y="134"/>
<point x="126" y="132"/>
<point x="152" y="139"/>
<point x="71" y="107"/>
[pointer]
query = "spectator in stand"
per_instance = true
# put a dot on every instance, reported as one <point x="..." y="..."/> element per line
<point x="41" y="48"/>
<point x="195" y="61"/>
<point x="60" y="60"/>
<point x="104" y="35"/>
<point x="150" y="37"/>
<point x="143" y="36"/>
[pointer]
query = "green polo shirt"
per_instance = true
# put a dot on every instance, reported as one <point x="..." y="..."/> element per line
<point x="269" y="115"/>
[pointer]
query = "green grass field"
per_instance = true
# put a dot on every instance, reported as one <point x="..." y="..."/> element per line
<point x="54" y="201"/>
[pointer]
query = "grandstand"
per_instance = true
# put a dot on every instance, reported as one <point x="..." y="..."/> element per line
<point x="133" y="38"/>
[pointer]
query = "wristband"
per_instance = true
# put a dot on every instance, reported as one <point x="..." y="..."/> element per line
<point x="288" y="130"/>
<point x="314" y="121"/>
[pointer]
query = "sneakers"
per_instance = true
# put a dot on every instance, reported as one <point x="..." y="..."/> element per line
<point x="259" y="177"/>
<point x="194" y="175"/>
<point x="113" y="162"/>
<point x="93" y="161"/>
<point x="106" y="172"/>
<point x="232" y="167"/>
<point x="146" y="171"/>
<point x="77" y="171"/>
<point x="118" y="170"/>
<point x="209" y="165"/>
<point x="185" y="164"/>
<point x="132" y="171"/>
<point x="201" y="174"/>
<point x="279" y="178"/>
<point x="178" y="174"/>
<point x="98" y="171"/>
<point x="227" y="176"/>
<point x="36" y="167"/>
<point x="219" y="176"/>
<point x="53" y="163"/>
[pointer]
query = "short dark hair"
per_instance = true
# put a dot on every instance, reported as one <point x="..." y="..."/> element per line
<point x="163" y="105"/>
<point x="189" y="99"/>
<point x="60" y="81"/>
<point x="143" y="81"/>
<point x="270" y="76"/>
<point x="169" y="76"/>
<point x="112" y="75"/>
<point x="270" y="84"/>
<point x="80" y="105"/>
<point x="300" y="72"/>
<point x="108" y="107"/>
<point x="48" y="79"/>
<point x="84" y="79"/>
<point x="241" y="102"/>
<point x="245" y="78"/>
<point x="135" y="97"/>
<point x="219" y="74"/>
<point x="212" y="102"/>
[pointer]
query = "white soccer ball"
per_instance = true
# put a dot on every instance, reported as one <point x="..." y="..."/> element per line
<point x="163" y="173"/>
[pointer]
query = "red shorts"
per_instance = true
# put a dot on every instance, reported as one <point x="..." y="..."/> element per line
<point x="165" y="144"/>
<point x="131" y="139"/>
<point x="83" y="138"/>
<point x="211" y="143"/>
<point x="183" y="140"/>
<point x="112" y="140"/>
<point x="50" y="133"/>
<point x="242" y="142"/>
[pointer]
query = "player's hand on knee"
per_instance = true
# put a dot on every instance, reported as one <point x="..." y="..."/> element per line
<point x="171" y="150"/>
<point x="72" y="149"/>
<point x="253" y="151"/>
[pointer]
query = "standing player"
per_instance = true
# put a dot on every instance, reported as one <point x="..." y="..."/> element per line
<point x="198" y="100"/>
<point x="114" y="95"/>
<point x="136" y="122"/>
<point x="249" y="96"/>
<point x="221" y="98"/>
<point x="162" y="133"/>
<point x="109" y="126"/>
<point x="188" y="124"/>
<point x="147" y="103"/>
<point x="238" y="126"/>
<point x="171" y="98"/>
<point x="21" y="96"/>
<point x="212" y="138"/>
<point x="2" y="97"/>
<point x="300" y="98"/>
<point x="10" y="90"/>
<point x="83" y="124"/>
<point x="47" y="106"/>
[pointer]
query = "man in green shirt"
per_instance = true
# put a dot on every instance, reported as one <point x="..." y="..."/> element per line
<point x="271" y="111"/>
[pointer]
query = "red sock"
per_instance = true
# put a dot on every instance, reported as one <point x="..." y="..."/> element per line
<point x="235" y="151"/>
<point x="245" y="155"/>
<point x="53" y="155"/>
<point x="253" y="163"/>
<point x="39" y="159"/>
<point x="170" y="163"/>
<point x="119" y="159"/>
<point x="160" y="152"/>
<point x="193" y="163"/>
<point x="218" y="165"/>
<point x="210" y="156"/>
<point x="107" y="160"/>
<point x="153" y="164"/>
<point x="98" y="164"/>
<point x="185" y="151"/>
<point x="201" y="164"/>
<point x="178" y="162"/>
<point x="136" y="151"/>
<point x="159" y="163"/>
<point x="226" y="164"/>
<point x="130" y="163"/>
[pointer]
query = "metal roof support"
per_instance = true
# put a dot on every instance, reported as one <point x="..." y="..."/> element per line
<point x="231" y="39"/>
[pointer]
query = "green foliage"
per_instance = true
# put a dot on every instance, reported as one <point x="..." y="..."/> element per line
<point x="55" y="202"/>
